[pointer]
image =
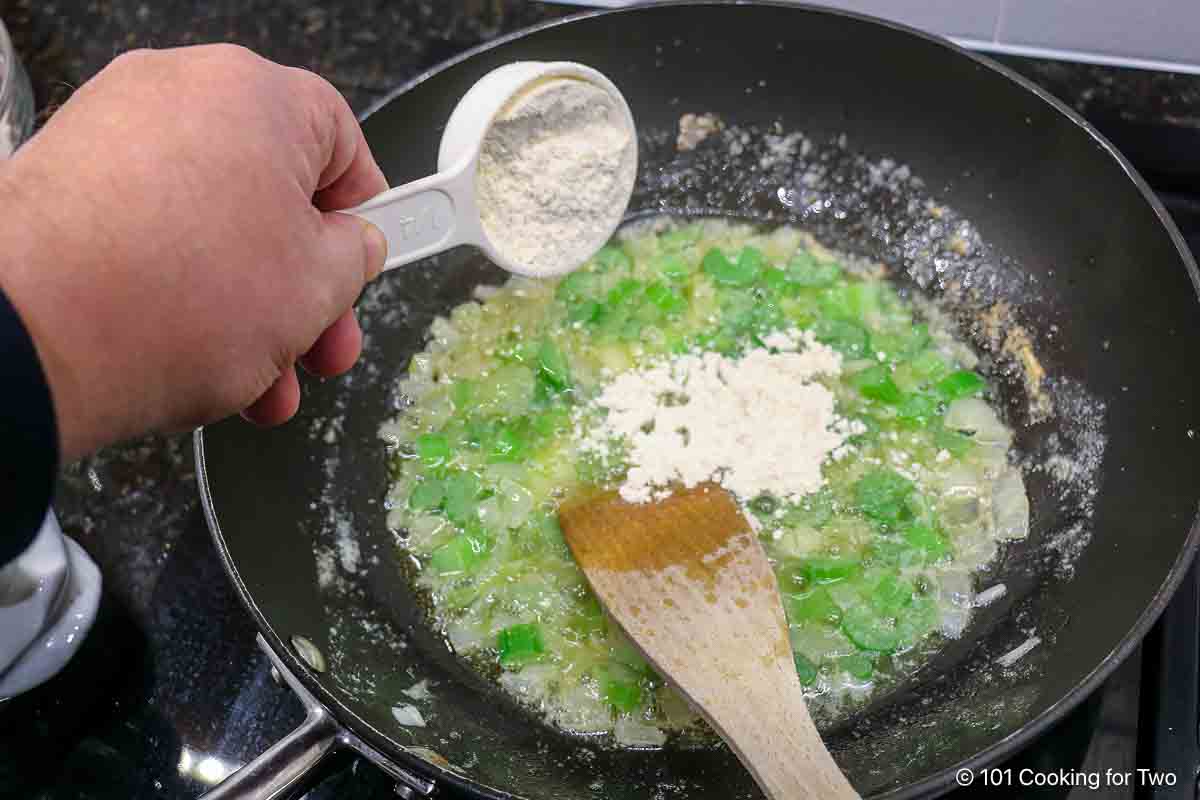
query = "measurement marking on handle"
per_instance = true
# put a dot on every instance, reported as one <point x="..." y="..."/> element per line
<point x="414" y="224"/>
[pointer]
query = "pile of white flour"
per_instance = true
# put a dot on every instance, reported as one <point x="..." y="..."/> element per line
<point x="756" y="424"/>
<point x="555" y="173"/>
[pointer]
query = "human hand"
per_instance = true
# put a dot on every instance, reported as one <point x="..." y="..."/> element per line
<point x="169" y="241"/>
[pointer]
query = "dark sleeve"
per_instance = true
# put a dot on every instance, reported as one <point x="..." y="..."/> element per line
<point x="28" y="437"/>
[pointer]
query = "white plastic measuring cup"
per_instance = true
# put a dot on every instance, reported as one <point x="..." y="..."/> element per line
<point x="437" y="213"/>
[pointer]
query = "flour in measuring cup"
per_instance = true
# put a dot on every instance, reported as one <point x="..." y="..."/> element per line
<point x="555" y="171"/>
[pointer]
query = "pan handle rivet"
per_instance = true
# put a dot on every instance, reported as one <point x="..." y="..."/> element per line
<point x="405" y="792"/>
<point x="309" y="653"/>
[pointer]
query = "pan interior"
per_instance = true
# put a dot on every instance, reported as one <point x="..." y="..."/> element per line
<point x="970" y="187"/>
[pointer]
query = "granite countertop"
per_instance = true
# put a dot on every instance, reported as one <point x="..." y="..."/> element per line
<point x="135" y="507"/>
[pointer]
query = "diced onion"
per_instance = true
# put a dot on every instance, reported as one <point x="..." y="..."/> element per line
<point x="581" y="711"/>
<point x="817" y="640"/>
<point x="797" y="542"/>
<point x="465" y="637"/>
<point x="533" y="683"/>
<point x="633" y="732"/>
<point x="954" y="622"/>
<point x="508" y="508"/>
<point x="955" y="588"/>
<point x="677" y="711"/>
<point x="1010" y="507"/>
<point x="424" y="533"/>
<point x="973" y="415"/>
<point x="990" y="595"/>
<point x="408" y="715"/>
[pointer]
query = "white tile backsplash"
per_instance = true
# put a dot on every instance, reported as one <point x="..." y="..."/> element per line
<point x="1155" y="34"/>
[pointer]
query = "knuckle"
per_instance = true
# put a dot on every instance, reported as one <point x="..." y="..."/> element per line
<point x="234" y="53"/>
<point x="134" y="59"/>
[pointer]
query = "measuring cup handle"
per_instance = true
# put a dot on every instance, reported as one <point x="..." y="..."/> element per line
<point x="424" y="217"/>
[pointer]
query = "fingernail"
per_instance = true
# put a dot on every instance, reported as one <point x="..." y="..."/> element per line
<point x="375" y="244"/>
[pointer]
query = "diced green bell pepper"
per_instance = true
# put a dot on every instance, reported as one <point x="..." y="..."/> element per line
<point x="623" y="696"/>
<point x="806" y="271"/>
<point x="433" y="449"/>
<point x="751" y="259"/>
<point x="463" y="394"/>
<point x="585" y="311"/>
<point x="774" y="280"/>
<point x="672" y="267"/>
<point x="461" y="554"/>
<point x="898" y="346"/>
<point x="893" y="551"/>
<point x="835" y="304"/>
<point x="792" y="579"/>
<point x="665" y="298"/>
<point x="917" y="409"/>
<point x="847" y="337"/>
<point x="929" y="365"/>
<point x="858" y="665"/>
<point x="428" y="494"/>
<point x="891" y="595"/>
<point x="552" y="367"/>
<point x="867" y="630"/>
<point x="962" y="383"/>
<point x="917" y="621"/>
<point x="462" y="489"/>
<point x="830" y="569"/>
<point x="805" y="669"/>
<point x="877" y="384"/>
<point x="955" y="443"/>
<point x="620" y="689"/>
<point x="929" y="541"/>
<point x="577" y="287"/>
<point x="509" y="445"/>
<point x="550" y="421"/>
<point x="864" y="299"/>
<point x="882" y="495"/>
<point x="520" y="644"/>
<point x="610" y="258"/>
<point x="815" y="606"/>
<point x="725" y="272"/>
<point x="626" y="289"/>
<point x="813" y="510"/>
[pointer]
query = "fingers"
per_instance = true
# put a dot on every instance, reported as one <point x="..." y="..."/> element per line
<point x="351" y="252"/>
<point x="360" y="181"/>
<point x="348" y="172"/>
<point x="336" y="350"/>
<point x="278" y="404"/>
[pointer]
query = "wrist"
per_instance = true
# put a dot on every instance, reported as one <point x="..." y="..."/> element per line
<point x="27" y="277"/>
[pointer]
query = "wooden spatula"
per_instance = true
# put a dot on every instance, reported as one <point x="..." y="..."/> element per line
<point x="689" y="583"/>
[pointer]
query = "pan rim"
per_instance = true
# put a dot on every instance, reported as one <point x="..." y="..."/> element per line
<point x="934" y="785"/>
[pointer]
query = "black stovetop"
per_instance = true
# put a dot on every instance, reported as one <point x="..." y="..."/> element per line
<point x="170" y="692"/>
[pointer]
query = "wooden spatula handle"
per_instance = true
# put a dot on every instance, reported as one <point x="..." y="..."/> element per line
<point x="688" y="582"/>
<point x="769" y="728"/>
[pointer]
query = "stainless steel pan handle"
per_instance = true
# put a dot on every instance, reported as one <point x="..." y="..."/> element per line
<point x="280" y="772"/>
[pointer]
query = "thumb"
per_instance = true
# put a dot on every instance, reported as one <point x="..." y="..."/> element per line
<point x="353" y="251"/>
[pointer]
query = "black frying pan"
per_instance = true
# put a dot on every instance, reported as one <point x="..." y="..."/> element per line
<point x="1068" y="236"/>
